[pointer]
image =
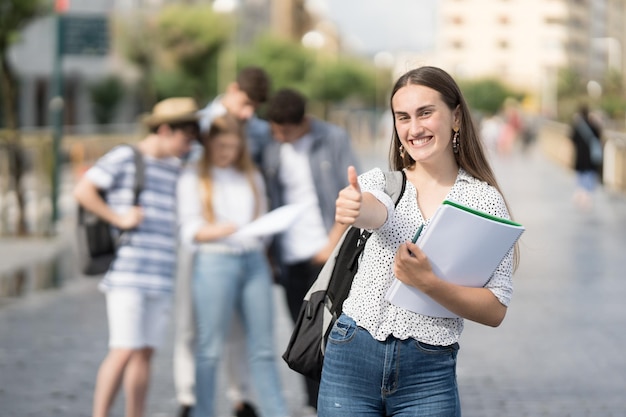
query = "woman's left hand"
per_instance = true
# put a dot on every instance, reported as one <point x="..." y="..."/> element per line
<point x="412" y="267"/>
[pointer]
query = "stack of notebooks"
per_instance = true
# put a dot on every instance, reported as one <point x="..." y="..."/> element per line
<point x="464" y="246"/>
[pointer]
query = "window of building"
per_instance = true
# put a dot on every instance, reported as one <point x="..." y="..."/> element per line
<point x="575" y="22"/>
<point x="553" y="20"/>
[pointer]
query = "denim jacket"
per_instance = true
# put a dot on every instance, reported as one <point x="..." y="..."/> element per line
<point x="330" y="156"/>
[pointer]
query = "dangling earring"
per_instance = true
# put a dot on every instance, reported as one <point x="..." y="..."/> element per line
<point x="402" y="151"/>
<point x="455" y="140"/>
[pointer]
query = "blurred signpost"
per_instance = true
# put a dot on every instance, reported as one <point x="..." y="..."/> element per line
<point x="85" y="35"/>
<point x="75" y="35"/>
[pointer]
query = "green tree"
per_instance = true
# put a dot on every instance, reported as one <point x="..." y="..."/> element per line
<point x="322" y="78"/>
<point x="614" y="106"/>
<point x="175" y="49"/>
<point x="571" y="91"/>
<point x="288" y="63"/>
<point x="191" y="38"/>
<point x="133" y="36"/>
<point x="570" y="84"/>
<point x="14" y="16"/>
<point x="486" y="95"/>
<point x="105" y="95"/>
<point x="612" y="101"/>
<point x="181" y="48"/>
<point x="342" y="79"/>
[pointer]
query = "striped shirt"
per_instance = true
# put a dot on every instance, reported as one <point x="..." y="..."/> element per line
<point x="146" y="260"/>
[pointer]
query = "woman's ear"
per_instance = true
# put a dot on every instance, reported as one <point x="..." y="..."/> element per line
<point x="456" y="117"/>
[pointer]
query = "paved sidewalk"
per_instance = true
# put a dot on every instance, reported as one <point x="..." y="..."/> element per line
<point x="51" y="345"/>
<point x="559" y="351"/>
<point x="557" y="354"/>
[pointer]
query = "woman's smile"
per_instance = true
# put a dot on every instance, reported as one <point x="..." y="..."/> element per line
<point x="420" y="141"/>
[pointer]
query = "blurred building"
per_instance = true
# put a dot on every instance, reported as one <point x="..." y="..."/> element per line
<point x="525" y="43"/>
<point x="34" y="57"/>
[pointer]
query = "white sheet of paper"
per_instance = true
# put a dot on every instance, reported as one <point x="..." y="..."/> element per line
<point x="276" y="221"/>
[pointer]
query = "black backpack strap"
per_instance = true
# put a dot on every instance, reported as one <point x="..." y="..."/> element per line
<point x="395" y="184"/>
<point x="140" y="178"/>
<point x="353" y="240"/>
<point x="346" y="256"/>
<point x="140" y="174"/>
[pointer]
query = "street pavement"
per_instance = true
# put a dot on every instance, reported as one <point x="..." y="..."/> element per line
<point x="557" y="354"/>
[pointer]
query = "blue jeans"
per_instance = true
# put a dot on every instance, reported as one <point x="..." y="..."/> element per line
<point x="587" y="180"/>
<point x="365" y="377"/>
<point x="221" y="284"/>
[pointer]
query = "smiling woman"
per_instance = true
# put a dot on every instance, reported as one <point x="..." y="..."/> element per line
<point x="410" y="355"/>
<point x="423" y="124"/>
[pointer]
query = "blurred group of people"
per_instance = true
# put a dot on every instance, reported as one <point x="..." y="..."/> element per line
<point x="209" y="172"/>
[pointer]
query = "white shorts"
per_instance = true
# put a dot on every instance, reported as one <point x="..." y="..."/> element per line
<point x="137" y="320"/>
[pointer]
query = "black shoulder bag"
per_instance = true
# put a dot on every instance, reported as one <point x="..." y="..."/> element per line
<point x="323" y="302"/>
<point x="97" y="244"/>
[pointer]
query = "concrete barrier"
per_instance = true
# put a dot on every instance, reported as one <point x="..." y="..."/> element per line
<point x="614" y="173"/>
<point x="553" y="140"/>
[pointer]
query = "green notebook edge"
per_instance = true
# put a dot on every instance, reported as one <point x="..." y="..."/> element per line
<point x="482" y="213"/>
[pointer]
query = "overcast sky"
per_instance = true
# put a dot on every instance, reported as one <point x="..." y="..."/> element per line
<point x="371" y="26"/>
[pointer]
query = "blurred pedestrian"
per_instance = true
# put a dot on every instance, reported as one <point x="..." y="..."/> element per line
<point x="139" y="284"/>
<point x="381" y="359"/>
<point x="530" y="125"/>
<point x="490" y="131"/>
<point x="586" y="134"/>
<point x="512" y="127"/>
<point x="305" y="164"/>
<point x="223" y="192"/>
<point x="241" y="99"/>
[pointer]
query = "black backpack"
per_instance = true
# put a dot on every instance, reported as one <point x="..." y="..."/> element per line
<point x="323" y="302"/>
<point x="97" y="244"/>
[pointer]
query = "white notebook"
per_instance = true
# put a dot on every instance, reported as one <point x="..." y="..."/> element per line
<point x="464" y="246"/>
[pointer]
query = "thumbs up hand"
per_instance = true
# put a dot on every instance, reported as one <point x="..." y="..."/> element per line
<point x="348" y="203"/>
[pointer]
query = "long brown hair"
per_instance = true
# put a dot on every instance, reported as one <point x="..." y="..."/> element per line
<point x="243" y="163"/>
<point x="471" y="156"/>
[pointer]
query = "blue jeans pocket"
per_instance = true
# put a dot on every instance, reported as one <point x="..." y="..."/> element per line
<point x="434" y="349"/>
<point x="343" y="330"/>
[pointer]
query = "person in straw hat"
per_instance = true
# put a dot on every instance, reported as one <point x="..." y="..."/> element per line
<point x="139" y="284"/>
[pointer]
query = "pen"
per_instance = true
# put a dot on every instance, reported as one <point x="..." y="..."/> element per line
<point x="417" y="234"/>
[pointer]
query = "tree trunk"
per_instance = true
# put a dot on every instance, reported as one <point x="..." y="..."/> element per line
<point x="14" y="145"/>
